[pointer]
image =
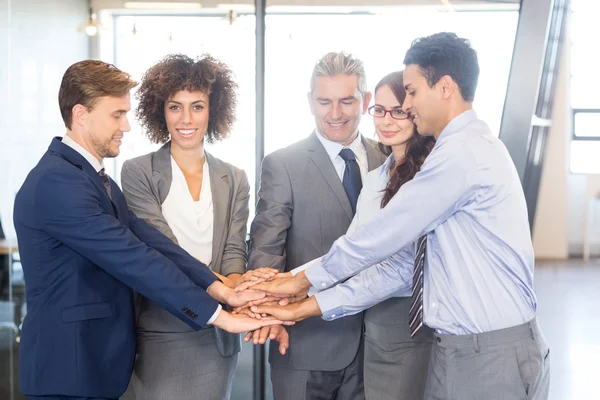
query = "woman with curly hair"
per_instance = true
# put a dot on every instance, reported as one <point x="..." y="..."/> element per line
<point x="199" y="202"/>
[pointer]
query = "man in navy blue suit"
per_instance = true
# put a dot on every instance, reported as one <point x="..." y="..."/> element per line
<point x="83" y="252"/>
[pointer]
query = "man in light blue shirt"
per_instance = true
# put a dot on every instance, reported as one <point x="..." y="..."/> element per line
<point x="475" y="288"/>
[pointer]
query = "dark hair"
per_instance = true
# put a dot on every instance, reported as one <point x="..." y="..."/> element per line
<point x="86" y="81"/>
<point x="417" y="148"/>
<point x="446" y="54"/>
<point x="177" y="72"/>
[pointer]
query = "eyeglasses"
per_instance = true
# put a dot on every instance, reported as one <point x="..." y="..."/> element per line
<point x="380" y="112"/>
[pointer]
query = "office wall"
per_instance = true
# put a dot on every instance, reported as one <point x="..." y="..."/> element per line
<point x="551" y="234"/>
<point x="39" y="39"/>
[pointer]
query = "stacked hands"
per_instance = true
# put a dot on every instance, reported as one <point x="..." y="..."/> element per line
<point x="265" y="299"/>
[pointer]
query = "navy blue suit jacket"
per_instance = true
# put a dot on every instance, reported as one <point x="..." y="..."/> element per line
<point x="82" y="254"/>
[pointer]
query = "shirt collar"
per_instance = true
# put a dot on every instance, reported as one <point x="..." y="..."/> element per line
<point x="84" y="153"/>
<point x="457" y="123"/>
<point x="333" y="149"/>
<point x="387" y="165"/>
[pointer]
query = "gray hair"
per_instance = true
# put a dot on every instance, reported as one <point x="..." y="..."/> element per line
<point x="332" y="64"/>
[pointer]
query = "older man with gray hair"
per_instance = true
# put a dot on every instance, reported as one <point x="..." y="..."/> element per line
<point x="307" y="199"/>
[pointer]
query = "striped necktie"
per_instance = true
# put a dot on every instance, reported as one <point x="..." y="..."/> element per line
<point x="105" y="182"/>
<point x="415" y="315"/>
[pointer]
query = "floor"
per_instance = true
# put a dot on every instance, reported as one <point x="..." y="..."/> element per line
<point x="569" y="314"/>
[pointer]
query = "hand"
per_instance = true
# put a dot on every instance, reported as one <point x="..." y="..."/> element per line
<point x="223" y="294"/>
<point x="291" y="312"/>
<point x="241" y="299"/>
<point x="248" y="284"/>
<point x="259" y="274"/>
<point x="280" y="299"/>
<point x="274" y="332"/>
<point x="292" y="285"/>
<point x="236" y="323"/>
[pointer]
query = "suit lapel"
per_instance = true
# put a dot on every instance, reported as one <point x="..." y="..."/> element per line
<point x="374" y="156"/>
<point x="221" y="195"/>
<point x="79" y="161"/>
<point x="320" y="157"/>
<point x="162" y="174"/>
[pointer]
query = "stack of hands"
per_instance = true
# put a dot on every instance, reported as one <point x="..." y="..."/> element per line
<point x="263" y="300"/>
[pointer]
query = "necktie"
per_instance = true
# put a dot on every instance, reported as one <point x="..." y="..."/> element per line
<point x="352" y="181"/>
<point x="105" y="182"/>
<point x="415" y="315"/>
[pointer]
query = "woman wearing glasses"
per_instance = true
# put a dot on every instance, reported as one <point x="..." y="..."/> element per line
<point x="395" y="363"/>
<point x="201" y="203"/>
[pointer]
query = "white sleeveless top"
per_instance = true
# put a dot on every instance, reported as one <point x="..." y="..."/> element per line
<point x="191" y="221"/>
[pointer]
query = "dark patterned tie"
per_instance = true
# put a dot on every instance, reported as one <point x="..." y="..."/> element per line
<point x="415" y="315"/>
<point x="352" y="181"/>
<point x="105" y="182"/>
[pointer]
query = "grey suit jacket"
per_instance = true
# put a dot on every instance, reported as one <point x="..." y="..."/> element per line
<point x="302" y="209"/>
<point x="146" y="181"/>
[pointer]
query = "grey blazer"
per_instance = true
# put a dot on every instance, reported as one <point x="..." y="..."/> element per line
<point x="302" y="209"/>
<point x="146" y="181"/>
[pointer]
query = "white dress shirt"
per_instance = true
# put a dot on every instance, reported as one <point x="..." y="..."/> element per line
<point x="192" y="222"/>
<point x="468" y="199"/>
<point x="333" y="150"/>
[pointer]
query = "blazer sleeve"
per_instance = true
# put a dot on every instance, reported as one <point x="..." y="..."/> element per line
<point x="234" y="252"/>
<point x="141" y="199"/>
<point x="268" y="232"/>
<point x="71" y="213"/>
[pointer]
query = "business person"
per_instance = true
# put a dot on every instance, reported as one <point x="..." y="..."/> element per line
<point x="395" y="363"/>
<point x="473" y="272"/>
<point x="199" y="202"/>
<point x="307" y="199"/>
<point x="83" y="251"/>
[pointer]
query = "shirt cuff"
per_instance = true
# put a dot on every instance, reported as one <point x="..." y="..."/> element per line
<point x="317" y="275"/>
<point x="215" y="315"/>
<point x="328" y="301"/>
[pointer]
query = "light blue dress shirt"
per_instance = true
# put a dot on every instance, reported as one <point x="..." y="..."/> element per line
<point x="372" y="285"/>
<point x="468" y="199"/>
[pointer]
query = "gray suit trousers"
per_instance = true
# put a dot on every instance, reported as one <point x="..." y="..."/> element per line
<point x="507" y="364"/>
<point x="344" y="384"/>
<point x="182" y="366"/>
<point x="395" y="363"/>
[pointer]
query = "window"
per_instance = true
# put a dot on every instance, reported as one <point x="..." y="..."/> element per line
<point x="585" y="102"/>
<point x="381" y="43"/>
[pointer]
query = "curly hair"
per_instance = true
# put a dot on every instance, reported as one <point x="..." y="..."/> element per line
<point x="177" y="72"/>
<point x="417" y="148"/>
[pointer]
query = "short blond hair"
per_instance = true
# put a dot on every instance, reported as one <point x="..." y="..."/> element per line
<point x="334" y="63"/>
<point x="86" y="81"/>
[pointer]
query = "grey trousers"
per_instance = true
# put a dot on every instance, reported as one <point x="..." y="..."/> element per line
<point x="182" y="366"/>
<point x="507" y="364"/>
<point x="345" y="384"/>
<point x="395" y="363"/>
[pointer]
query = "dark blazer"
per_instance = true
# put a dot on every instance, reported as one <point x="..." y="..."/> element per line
<point x="146" y="182"/>
<point x="302" y="209"/>
<point x="82" y="254"/>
